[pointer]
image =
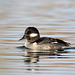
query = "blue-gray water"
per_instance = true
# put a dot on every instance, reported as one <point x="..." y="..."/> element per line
<point x="53" y="18"/>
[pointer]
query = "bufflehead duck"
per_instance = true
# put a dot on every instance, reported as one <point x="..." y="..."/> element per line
<point x="34" y="41"/>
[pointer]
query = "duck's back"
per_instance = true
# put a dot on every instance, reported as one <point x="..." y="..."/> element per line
<point x="51" y="43"/>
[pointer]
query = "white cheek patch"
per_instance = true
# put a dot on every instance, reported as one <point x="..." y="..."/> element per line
<point x="33" y="35"/>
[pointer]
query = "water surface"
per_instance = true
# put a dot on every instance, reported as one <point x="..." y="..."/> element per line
<point x="53" y="19"/>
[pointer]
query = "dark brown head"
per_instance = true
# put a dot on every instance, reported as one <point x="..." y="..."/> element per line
<point x="31" y="34"/>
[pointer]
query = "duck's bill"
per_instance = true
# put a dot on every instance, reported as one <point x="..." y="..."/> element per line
<point x="22" y="38"/>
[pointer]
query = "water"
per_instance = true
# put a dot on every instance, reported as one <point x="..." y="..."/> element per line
<point x="53" y="18"/>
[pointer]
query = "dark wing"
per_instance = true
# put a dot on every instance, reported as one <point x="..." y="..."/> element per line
<point x="45" y="40"/>
<point x="62" y="42"/>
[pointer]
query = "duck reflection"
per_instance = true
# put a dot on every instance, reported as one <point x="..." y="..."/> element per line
<point x="33" y="56"/>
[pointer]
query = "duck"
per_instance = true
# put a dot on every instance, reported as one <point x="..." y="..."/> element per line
<point x="34" y="41"/>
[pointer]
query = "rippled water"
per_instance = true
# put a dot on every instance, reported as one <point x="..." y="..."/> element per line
<point x="53" y="18"/>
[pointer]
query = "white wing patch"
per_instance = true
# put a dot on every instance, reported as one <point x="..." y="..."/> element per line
<point x="33" y="34"/>
<point x="55" y="42"/>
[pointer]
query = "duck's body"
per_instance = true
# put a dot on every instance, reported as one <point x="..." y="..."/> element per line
<point x="34" y="41"/>
<point x="47" y="43"/>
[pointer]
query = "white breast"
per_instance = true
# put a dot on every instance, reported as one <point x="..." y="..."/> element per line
<point x="36" y="46"/>
<point x="31" y="45"/>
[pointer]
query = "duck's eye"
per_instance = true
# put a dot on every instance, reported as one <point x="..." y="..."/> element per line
<point x="29" y="32"/>
<point x="33" y="34"/>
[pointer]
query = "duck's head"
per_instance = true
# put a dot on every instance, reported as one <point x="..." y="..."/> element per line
<point x="31" y="34"/>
